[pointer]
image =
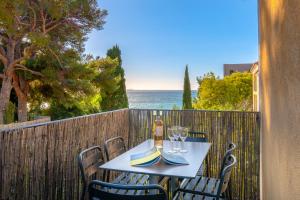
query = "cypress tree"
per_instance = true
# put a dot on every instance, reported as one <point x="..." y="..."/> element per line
<point x="119" y="98"/>
<point x="187" y="94"/>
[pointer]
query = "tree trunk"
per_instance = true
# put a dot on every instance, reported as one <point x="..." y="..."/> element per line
<point x="4" y="96"/>
<point x="7" y="82"/>
<point x="21" y="87"/>
<point x="22" y="109"/>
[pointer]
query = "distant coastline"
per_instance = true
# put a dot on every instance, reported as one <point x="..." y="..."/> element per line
<point x="156" y="99"/>
<point x="140" y="90"/>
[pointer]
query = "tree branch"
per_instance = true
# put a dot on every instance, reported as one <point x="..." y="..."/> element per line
<point x="43" y="21"/>
<point x="57" y="58"/>
<point x="34" y="18"/>
<point x="53" y="26"/>
<point x="16" y="85"/>
<point x="22" y="67"/>
<point x="3" y="59"/>
<point x="22" y="23"/>
<point x="17" y="60"/>
<point x="2" y="51"/>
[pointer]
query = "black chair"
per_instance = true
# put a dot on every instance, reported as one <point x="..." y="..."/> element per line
<point x="89" y="160"/>
<point x="115" y="147"/>
<point x="196" y="136"/>
<point x="99" y="190"/>
<point x="207" y="188"/>
<point x="230" y="149"/>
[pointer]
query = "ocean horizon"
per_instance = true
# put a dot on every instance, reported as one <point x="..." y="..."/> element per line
<point x="156" y="99"/>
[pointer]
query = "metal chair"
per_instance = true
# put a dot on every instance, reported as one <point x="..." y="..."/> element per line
<point x="207" y="188"/>
<point x="99" y="190"/>
<point x="89" y="160"/>
<point x="229" y="151"/>
<point x="113" y="148"/>
<point x="196" y="136"/>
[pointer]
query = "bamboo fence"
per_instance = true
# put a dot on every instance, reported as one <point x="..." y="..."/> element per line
<point x="40" y="161"/>
<point x="242" y="128"/>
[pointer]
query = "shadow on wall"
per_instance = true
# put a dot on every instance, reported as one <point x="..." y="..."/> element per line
<point x="280" y="92"/>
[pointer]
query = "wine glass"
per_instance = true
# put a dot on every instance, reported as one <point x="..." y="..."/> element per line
<point x="176" y="136"/>
<point x="171" y="137"/>
<point x="183" y="135"/>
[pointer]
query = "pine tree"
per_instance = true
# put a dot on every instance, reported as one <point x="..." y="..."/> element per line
<point x="119" y="98"/>
<point x="30" y="28"/>
<point x="67" y="92"/>
<point x="106" y="81"/>
<point x="187" y="94"/>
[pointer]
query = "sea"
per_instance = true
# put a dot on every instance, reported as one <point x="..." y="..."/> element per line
<point x="156" y="99"/>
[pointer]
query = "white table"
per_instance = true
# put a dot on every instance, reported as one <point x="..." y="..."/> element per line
<point x="195" y="155"/>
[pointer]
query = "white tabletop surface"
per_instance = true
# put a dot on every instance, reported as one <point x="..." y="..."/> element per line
<point x="197" y="151"/>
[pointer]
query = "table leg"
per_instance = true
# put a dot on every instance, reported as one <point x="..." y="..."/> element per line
<point x="173" y="186"/>
<point x="153" y="180"/>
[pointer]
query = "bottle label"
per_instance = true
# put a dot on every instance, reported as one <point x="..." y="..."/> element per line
<point x="159" y="131"/>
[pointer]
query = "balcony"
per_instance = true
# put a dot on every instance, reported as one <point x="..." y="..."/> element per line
<point x="40" y="161"/>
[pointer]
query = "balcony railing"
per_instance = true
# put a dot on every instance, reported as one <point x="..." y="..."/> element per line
<point x="40" y="161"/>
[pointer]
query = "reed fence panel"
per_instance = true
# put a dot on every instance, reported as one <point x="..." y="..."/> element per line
<point x="40" y="161"/>
<point x="242" y="128"/>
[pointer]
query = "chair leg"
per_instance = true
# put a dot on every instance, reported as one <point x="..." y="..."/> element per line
<point x="107" y="176"/>
<point x="229" y="189"/>
<point x="82" y="197"/>
<point x="207" y="167"/>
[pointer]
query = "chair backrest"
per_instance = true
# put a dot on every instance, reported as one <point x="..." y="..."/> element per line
<point x="89" y="161"/>
<point x="114" y="147"/>
<point x="195" y="136"/>
<point x="225" y="174"/>
<point x="99" y="190"/>
<point x="230" y="149"/>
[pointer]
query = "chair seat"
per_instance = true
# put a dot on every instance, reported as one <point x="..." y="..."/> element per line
<point x="199" y="184"/>
<point x="130" y="179"/>
<point x="188" y="196"/>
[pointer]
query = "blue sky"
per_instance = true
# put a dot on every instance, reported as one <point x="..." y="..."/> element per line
<point x="159" y="37"/>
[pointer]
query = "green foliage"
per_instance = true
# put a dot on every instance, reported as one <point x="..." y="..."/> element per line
<point x="107" y="81"/>
<point x="9" y="115"/>
<point x="234" y="92"/>
<point x="175" y="107"/>
<point x="64" y="90"/>
<point x="48" y="38"/>
<point x="78" y="89"/>
<point x="49" y="26"/>
<point x="87" y="105"/>
<point x="187" y="94"/>
<point x="115" y="52"/>
<point x="119" y="98"/>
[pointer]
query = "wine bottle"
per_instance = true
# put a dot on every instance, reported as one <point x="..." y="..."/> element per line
<point x="158" y="131"/>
